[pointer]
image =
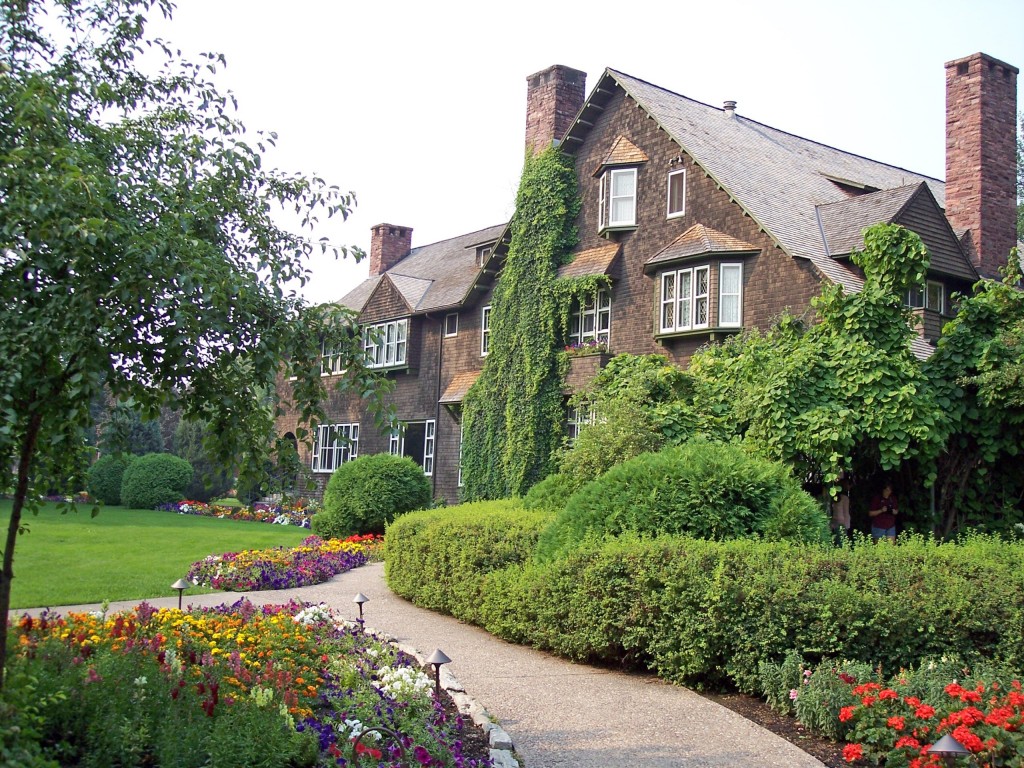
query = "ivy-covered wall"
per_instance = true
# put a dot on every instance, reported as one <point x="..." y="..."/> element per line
<point x="512" y="417"/>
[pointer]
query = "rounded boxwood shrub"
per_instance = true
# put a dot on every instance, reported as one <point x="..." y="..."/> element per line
<point x="367" y="493"/>
<point x="154" y="479"/>
<point x="105" y="476"/>
<point x="705" y="490"/>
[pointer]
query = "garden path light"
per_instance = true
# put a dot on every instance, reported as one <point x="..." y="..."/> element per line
<point x="949" y="749"/>
<point x="360" y="599"/>
<point x="181" y="585"/>
<point x="437" y="658"/>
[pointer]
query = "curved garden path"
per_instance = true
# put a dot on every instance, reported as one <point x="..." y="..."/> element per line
<point x="559" y="714"/>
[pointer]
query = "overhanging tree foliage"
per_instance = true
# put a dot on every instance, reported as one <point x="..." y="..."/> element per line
<point x="138" y="249"/>
<point x="513" y="414"/>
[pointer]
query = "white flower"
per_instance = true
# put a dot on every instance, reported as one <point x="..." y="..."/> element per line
<point x="141" y="681"/>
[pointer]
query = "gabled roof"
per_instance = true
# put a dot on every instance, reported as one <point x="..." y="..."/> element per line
<point x="777" y="178"/>
<point x="457" y="388"/>
<point x="623" y="152"/>
<point x="699" y="240"/>
<point x="594" y="261"/>
<point x="431" y="277"/>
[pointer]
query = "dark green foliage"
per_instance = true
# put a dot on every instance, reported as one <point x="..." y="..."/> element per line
<point x="105" y="477"/>
<point x="126" y="432"/>
<point x="209" y="480"/>
<point x="513" y="414"/>
<point x="708" y="613"/>
<point x="366" y="494"/>
<point x="621" y="432"/>
<point x="154" y="479"/>
<point x="551" y="493"/>
<point x="705" y="490"/>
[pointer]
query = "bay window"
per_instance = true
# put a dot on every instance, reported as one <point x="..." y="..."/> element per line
<point x="618" y="198"/>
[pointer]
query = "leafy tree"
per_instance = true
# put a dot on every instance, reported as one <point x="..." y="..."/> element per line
<point x="979" y="370"/>
<point x="846" y="392"/>
<point x="209" y="481"/>
<point x="126" y="432"/>
<point x="139" y="249"/>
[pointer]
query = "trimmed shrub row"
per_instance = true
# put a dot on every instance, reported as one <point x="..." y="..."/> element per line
<point x="139" y="482"/>
<point x="705" y="613"/>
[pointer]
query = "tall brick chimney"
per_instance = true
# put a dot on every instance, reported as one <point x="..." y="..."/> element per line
<point x="388" y="246"/>
<point x="981" y="156"/>
<point x="553" y="98"/>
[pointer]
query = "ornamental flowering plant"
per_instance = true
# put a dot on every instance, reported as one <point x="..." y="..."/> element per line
<point x="890" y="726"/>
<point x="583" y="348"/>
<point x="298" y="513"/>
<point x="313" y="562"/>
<point x="236" y="685"/>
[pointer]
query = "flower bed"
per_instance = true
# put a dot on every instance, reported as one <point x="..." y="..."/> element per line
<point x="313" y="562"/>
<point x="279" y="514"/>
<point x="286" y="685"/>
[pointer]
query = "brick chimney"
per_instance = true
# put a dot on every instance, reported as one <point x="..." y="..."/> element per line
<point x="554" y="96"/>
<point x="388" y="246"/>
<point x="981" y="157"/>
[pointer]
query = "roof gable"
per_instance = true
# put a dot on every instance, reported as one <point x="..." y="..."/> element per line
<point x="623" y="152"/>
<point x="700" y="241"/>
<point x="594" y="261"/>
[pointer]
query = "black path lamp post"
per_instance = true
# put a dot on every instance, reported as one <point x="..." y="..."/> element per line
<point x="437" y="658"/>
<point x="181" y="585"/>
<point x="949" y="749"/>
<point x="360" y="599"/>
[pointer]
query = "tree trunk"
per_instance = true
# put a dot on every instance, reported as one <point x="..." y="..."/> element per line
<point x="28" y="448"/>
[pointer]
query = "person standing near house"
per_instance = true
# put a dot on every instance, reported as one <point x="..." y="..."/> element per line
<point x="883" y="511"/>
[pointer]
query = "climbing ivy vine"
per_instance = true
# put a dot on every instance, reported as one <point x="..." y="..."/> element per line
<point x="512" y="415"/>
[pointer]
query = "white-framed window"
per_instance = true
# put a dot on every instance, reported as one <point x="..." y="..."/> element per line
<point x="618" y="198"/>
<point x="330" y="361"/>
<point x="451" y="324"/>
<point x="415" y="439"/>
<point x="485" y="331"/>
<point x="684" y="299"/>
<point x="334" y="445"/>
<point x="576" y="420"/>
<point x="676" y="193"/>
<point x="932" y="296"/>
<point x="591" y="320"/>
<point x="730" y="295"/>
<point x="386" y="344"/>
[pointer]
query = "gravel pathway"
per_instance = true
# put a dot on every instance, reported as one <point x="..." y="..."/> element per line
<point x="557" y="713"/>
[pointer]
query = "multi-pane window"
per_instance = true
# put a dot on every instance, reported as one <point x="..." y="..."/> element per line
<point x="932" y="297"/>
<point x="730" y="295"/>
<point x="428" y="448"/>
<point x="330" y="361"/>
<point x="415" y="439"/>
<point x="591" y="320"/>
<point x="386" y="344"/>
<point x="334" y="445"/>
<point x="485" y="331"/>
<point x="676" y="193"/>
<point x="684" y="299"/>
<point x="577" y="419"/>
<point x="451" y="324"/>
<point x="618" y="198"/>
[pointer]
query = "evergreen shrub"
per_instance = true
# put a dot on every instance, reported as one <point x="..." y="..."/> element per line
<point x="705" y="490"/>
<point x="551" y="493"/>
<point x="155" y="479"/>
<point x="440" y="559"/>
<point x="708" y="613"/>
<point x="366" y="494"/>
<point x="105" y="477"/>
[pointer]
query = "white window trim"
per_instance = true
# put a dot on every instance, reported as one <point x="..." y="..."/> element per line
<point x="485" y="331"/>
<point x="396" y="443"/>
<point x="456" y="331"/>
<point x="330" y="361"/>
<point x="334" y="445"/>
<point x="692" y="299"/>
<point x="721" y="295"/>
<point x="941" y="309"/>
<point x="386" y="345"/>
<point x="607" y="200"/>
<point x="462" y="434"/>
<point x="669" y="213"/>
<point x="599" y="308"/>
<point x="576" y="419"/>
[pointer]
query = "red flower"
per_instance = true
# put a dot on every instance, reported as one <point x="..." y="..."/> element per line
<point x="888" y="693"/>
<point x="860" y="690"/>
<point x="848" y="679"/>
<point x="912" y="701"/>
<point x="896" y="723"/>
<point x="867" y="701"/>
<point x="852" y="752"/>
<point x="954" y="690"/>
<point x="925" y="712"/>
<point x="846" y="714"/>
<point x="907" y="741"/>
<point x="964" y="735"/>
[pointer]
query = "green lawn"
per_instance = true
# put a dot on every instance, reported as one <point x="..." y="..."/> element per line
<point x="121" y="554"/>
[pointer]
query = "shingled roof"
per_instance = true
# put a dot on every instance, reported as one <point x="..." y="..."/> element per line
<point x="779" y="179"/>
<point x="431" y="277"/>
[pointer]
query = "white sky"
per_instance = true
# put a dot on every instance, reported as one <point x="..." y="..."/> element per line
<point x="419" y="107"/>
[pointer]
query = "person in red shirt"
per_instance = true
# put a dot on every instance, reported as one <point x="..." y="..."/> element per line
<point x="883" y="511"/>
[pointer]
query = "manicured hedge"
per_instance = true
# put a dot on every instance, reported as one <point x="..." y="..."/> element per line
<point x="706" y="613"/>
<point x="155" y="479"/>
<point x="366" y="494"/>
<point x="105" y="477"/>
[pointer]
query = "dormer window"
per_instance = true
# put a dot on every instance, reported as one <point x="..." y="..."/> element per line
<point x="618" y="198"/>
<point x="931" y="297"/>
